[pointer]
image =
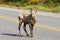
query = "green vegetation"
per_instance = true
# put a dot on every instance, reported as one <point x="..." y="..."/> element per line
<point x="42" y="5"/>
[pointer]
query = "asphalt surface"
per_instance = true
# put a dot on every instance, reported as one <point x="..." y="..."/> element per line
<point x="9" y="27"/>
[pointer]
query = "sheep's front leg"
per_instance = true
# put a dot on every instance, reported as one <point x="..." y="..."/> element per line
<point x="25" y="29"/>
<point x="20" y="23"/>
<point x="31" y="30"/>
<point x="19" y="29"/>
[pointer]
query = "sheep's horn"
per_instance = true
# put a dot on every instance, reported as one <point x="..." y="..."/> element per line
<point x="36" y="12"/>
<point x="31" y="10"/>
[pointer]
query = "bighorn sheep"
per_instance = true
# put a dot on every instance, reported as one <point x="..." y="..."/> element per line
<point x="29" y="19"/>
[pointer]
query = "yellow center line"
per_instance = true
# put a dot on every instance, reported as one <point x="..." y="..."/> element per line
<point x="41" y="26"/>
<point x="7" y="18"/>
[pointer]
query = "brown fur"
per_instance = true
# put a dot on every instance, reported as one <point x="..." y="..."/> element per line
<point x="27" y="19"/>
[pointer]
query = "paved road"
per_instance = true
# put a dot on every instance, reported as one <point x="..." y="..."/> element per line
<point x="47" y="28"/>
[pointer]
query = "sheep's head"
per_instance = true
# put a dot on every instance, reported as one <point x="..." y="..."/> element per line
<point x="33" y="12"/>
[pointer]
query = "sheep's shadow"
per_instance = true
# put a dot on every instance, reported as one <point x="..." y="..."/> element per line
<point x="8" y="34"/>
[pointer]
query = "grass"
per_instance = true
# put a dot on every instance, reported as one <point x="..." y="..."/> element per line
<point x="57" y="9"/>
<point x="38" y="7"/>
<point x="43" y="8"/>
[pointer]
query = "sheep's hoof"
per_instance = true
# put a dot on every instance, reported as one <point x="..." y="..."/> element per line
<point x="31" y="36"/>
<point x="27" y="35"/>
<point x="19" y="35"/>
